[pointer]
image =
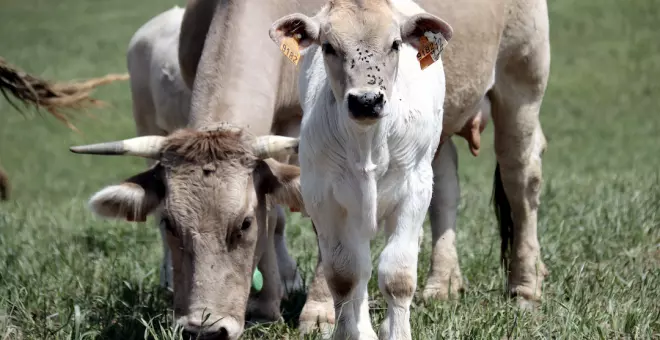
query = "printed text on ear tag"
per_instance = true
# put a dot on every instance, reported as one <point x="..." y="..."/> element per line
<point x="290" y="49"/>
<point x="430" y="46"/>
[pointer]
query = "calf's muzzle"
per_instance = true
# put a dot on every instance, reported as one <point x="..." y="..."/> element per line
<point x="366" y="105"/>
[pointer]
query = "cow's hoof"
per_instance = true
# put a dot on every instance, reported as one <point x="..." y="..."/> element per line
<point x="528" y="305"/>
<point x="526" y="286"/>
<point x="317" y="316"/>
<point x="526" y="298"/>
<point x="443" y="288"/>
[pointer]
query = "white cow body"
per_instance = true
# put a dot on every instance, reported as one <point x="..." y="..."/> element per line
<point x="356" y="178"/>
<point x="160" y="97"/>
<point x="161" y="105"/>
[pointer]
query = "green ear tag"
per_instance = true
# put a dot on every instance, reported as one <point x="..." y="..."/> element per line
<point x="257" y="280"/>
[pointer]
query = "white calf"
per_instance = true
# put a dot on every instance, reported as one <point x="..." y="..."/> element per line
<point x="371" y="126"/>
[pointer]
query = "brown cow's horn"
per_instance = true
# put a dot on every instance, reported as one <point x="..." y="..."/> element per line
<point x="275" y="146"/>
<point x="146" y="146"/>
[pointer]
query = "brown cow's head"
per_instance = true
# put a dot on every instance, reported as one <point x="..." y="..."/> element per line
<point x="360" y="41"/>
<point x="212" y="186"/>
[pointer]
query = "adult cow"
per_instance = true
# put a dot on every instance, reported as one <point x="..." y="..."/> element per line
<point x="498" y="62"/>
<point x="221" y="155"/>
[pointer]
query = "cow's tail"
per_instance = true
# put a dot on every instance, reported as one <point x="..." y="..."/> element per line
<point x="53" y="96"/>
<point x="503" y="214"/>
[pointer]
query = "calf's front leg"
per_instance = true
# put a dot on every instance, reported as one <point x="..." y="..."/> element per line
<point x="346" y="255"/>
<point x="397" y="266"/>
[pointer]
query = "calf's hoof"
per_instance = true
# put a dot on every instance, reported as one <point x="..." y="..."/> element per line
<point x="317" y="316"/>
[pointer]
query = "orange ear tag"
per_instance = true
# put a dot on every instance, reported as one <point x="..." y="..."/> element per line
<point x="430" y="46"/>
<point x="290" y="48"/>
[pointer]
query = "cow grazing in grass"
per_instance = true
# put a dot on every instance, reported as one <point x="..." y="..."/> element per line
<point x="214" y="186"/>
<point x="209" y="188"/>
<point x="371" y="126"/>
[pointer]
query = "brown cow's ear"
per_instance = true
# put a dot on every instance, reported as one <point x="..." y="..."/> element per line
<point x="303" y="29"/>
<point x="413" y="29"/>
<point x="133" y="199"/>
<point x="281" y="181"/>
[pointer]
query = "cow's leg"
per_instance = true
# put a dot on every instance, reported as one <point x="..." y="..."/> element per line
<point x="318" y="311"/>
<point x="444" y="279"/>
<point x="519" y="144"/>
<point x="291" y="278"/>
<point x="264" y="306"/>
<point x="397" y="265"/>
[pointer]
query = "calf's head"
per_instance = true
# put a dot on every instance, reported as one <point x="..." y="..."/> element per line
<point x="360" y="42"/>
<point x="211" y="189"/>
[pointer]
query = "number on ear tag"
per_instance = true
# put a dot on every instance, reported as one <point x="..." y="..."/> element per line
<point x="430" y="46"/>
<point x="290" y="49"/>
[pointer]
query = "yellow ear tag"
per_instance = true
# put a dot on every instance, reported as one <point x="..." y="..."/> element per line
<point x="430" y="46"/>
<point x="290" y="48"/>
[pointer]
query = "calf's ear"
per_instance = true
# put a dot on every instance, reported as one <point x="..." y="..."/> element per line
<point x="303" y="29"/>
<point x="133" y="199"/>
<point x="413" y="28"/>
<point x="281" y="182"/>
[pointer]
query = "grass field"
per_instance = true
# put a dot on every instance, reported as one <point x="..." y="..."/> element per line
<point x="64" y="274"/>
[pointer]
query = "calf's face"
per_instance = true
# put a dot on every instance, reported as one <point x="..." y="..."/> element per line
<point x="211" y="190"/>
<point x="360" y="42"/>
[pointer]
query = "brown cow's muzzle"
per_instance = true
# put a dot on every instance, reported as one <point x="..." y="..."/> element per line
<point x="227" y="328"/>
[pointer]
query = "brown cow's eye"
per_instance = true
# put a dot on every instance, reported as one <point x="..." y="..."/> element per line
<point x="247" y="222"/>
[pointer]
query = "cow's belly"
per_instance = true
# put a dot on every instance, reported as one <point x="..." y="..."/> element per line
<point x="462" y="105"/>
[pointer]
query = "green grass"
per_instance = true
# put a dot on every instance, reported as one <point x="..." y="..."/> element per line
<point x="66" y="274"/>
